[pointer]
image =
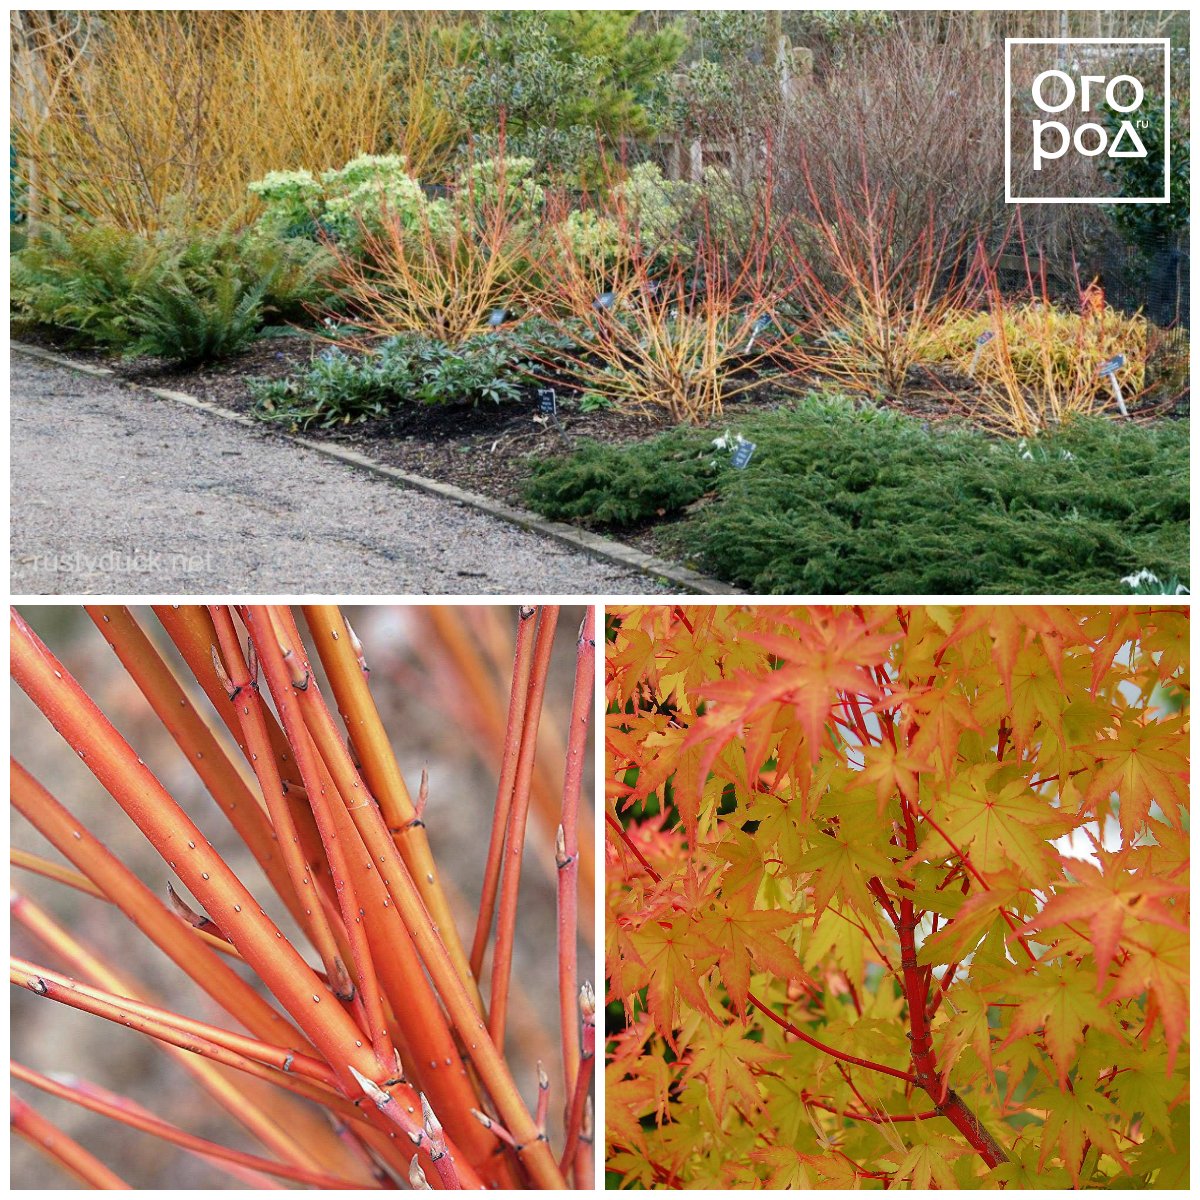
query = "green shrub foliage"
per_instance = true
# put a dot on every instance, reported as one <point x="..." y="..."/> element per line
<point x="340" y="388"/>
<point x="193" y="298"/>
<point x="626" y="487"/>
<point x="555" y="86"/>
<point x="839" y="499"/>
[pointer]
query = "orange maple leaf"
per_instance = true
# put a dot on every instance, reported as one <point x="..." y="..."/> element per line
<point x="1104" y="901"/>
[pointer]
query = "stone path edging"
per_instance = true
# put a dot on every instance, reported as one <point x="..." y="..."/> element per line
<point x="570" y="535"/>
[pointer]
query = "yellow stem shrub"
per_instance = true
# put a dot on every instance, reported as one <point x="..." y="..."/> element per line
<point x="155" y="119"/>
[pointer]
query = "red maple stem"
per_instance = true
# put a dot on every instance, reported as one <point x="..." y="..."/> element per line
<point x="682" y="617"/>
<point x="785" y="1024"/>
<point x="615" y="824"/>
<point x="875" y="1117"/>
<point x="916" y="990"/>
<point x="964" y="858"/>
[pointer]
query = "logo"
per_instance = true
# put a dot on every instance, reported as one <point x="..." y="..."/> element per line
<point x="1070" y="100"/>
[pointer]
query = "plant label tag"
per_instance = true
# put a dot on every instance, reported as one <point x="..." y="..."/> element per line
<point x="761" y="324"/>
<point x="982" y="340"/>
<point x="547" y="402"/>
<point x="1112" y="366"/>
<point x="742" y="454"/>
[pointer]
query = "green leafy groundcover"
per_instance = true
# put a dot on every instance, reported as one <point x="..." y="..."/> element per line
<point x="848" y="499"/>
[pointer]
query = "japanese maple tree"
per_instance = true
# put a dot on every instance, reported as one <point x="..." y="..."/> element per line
<point x="897" y="896"/>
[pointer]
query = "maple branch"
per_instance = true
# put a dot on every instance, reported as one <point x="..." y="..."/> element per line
<point x="680" y="615"/>
<point x="876" y="1117"/>
<point x="959" y="1114"/>
<point x="632" y="848"/>
<point x="785" y="1024"/>
<point x="883" y="958"/>
<point x="876" y="890"/>
<point x="1002" y="739"/>
<point x="916" y="988"/>
<point x="869" y="739"/>
<point x="943" y="985"/>
<point x="860" y="1171"/>
<point x="947" y="1102"/>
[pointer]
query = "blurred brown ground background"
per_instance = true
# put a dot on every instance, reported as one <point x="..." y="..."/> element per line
<point x="420" y="701"/>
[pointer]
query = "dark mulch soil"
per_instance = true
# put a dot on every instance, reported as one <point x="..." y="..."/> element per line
<point x="484" y="449"/>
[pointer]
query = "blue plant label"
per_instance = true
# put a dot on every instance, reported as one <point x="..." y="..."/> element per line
<point x="1112" y="366"/>
<point x="763" y="322"/>
<point x="742" y="454"/>
<point x="498" y="317"/>
<point x="547" y="402"/>
<point x="985" y="337"/>
<point x="605" y="300"/>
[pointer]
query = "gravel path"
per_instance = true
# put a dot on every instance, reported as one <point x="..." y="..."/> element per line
<point x="115" y="491"/>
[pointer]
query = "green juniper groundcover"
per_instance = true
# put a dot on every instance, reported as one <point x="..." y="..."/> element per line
<point x="838" y="498"/>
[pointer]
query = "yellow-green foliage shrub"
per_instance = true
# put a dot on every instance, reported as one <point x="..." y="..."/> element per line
<point x="151" y="120"/>
<point x="1049" y="347"/>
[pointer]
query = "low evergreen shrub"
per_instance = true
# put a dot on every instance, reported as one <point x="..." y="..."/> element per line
<point x="627" y="486"/>
<point x="839" y="499"/>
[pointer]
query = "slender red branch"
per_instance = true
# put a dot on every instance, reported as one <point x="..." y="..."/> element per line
<point x="583" y="1077"/>
<point x="948" y="1103"/>
<point x="99" y="1100"/>
<point x="875" y="1117"/>
<point x="615" y="824"/>
<point x="185" y="1032"/>
<point x="514" y="848"/>
<point x="682" y="617"/>
<point x="964" y="858"/>
<point x="785" y="1024"/>
<point x="518" y="695"/>
<point x="566" y="853"/>
<point x="289" y="681"/>
<point x="41" y="1132"/>
<point x="247" y="702"/>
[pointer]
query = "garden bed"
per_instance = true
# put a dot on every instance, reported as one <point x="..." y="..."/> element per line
<point x="829" y="486"/>
<point x="486" y="448"/>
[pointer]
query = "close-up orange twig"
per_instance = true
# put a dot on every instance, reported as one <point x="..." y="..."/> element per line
<point x="321" y="938"/>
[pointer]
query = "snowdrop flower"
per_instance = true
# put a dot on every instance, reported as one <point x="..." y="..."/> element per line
<point x="1140" y="577"/>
